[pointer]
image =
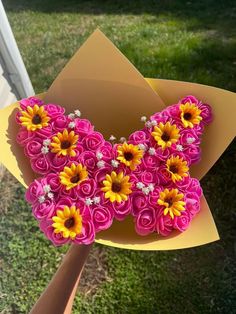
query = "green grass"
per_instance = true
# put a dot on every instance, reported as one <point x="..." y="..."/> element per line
<point x="183" y="40"/>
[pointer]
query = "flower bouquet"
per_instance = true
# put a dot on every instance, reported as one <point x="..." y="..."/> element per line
<point x="109" y="156"/>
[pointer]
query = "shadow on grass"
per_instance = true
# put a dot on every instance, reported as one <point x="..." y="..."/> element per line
<point x="220" y="14"/>
<point x="209" y="61"/>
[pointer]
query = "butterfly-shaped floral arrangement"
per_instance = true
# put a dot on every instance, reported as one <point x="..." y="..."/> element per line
<point x="85" y="182"/>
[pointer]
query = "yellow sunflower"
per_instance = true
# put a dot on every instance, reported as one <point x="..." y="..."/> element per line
<point x="68" y="222"/>
<point x="34" y="118"/>
<point x="173" y="202"/>
<point x="73" y="175"/>
<point x="64" y="143"/>
<point x="116" y="187"/>
<point x="130" y="155"/>
<point x="177" y="167"/>
<point x="190" y="114"/>
<point x="166" y="134"/>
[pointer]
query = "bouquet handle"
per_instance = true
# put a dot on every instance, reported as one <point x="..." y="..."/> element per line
<point x="59" y="294"/>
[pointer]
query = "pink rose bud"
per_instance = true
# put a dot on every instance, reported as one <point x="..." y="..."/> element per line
<point x="44" y="210"/>
<point x="145" y="222"/>
<point x="35" y="190"/>
<point x="54" y="111"/>
<point x="181" y="223"/>
<point x="102" y="217"/>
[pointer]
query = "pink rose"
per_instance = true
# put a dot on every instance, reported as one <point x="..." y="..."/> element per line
<point x="192" y="204"/>
<point x="63" y="201"/>
<point x="189" y="135"/>
<point x="190" y="98"/>
<point x="193" y="152"/>
<point x="122" y="209"/>
<point x="102" y="217"/>
<point x="163" y="175"/>
<point x="138" y="201"/>
<point x="33" y="147"/>
<point x="56" y="238"/>
<point x="86" y="188"/>
<point x="107" y="151"/>
<point x="31" y="101"/>
<point x="40" y="164"/>
<point x="103" y="201"/>
<point x="89" y="160"/>
<point x="23" y="136"/>
<point x="151" y="161"/>
<point x="154" y="196"/>
<point x="183" y="184"/>
<point x="100" y="174"/>
<point x="87" y="235"/>
<point x="161" y="117"/>
<point x="173" y="114"/>
<point x="145" y="222"/>
<point x="71" y="194"/>
<point x="60" y="123"/>
<point x="164" y="224"/>
<point x="206" y="113"/>
<point x="181" y="223"/>
<point x="147" y="177"/>
<point x="83" y="127"/>
<point x="78" y="150"/>
<point x="199" y="128"/>
<point x="194" y="186"/>
<point x="163" y="154"/>
<point x="134" y="177"/>
<point x="54" y="111"/>
<point x="45" y="132"/>
<point x="138" y="137"/>
<point x="54" y="182"/>
<point x="17" y="118"/>
<point x="35" y="190"/>
<point x="57" y="163"/>
<point x="44" y="210"/>
<point x="93" y="141"/>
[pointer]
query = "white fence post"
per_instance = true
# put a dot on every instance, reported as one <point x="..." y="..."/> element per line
<point x="14" y="79"/>
<point x="11" y="62"/>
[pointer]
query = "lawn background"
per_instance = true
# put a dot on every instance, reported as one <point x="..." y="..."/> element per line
<point x="184" y="40"/>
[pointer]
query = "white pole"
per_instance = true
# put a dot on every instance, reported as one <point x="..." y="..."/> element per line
<point x="11" y="57"/>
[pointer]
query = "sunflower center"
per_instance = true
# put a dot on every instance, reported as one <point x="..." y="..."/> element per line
<point x="65" y="144"/>
<point x="169" y="201"/>
<point x="75" y="179"/>
<point x="187" y="116"/>
<point x="173" y="168"/>
<point x="69" y="223"/>
<point x="165" y="137"/>
<point x="116" y="187"/>
<point x="36" y="119"/>
<point x="128" y="156"/>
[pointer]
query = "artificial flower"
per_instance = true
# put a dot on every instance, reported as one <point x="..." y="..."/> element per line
<point x="190" y="114"/>
<point x="64" y="143"/>
<point x="172" y="201"/>
<point x="166" y="134"/>
<point x="177" y="167"/>
<point x="34" y="118"/>
<point x="116" y="187"/>
<point x="130" y="155"/>
<point x="73" y="175"/>
<point x="68" y="222"/>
